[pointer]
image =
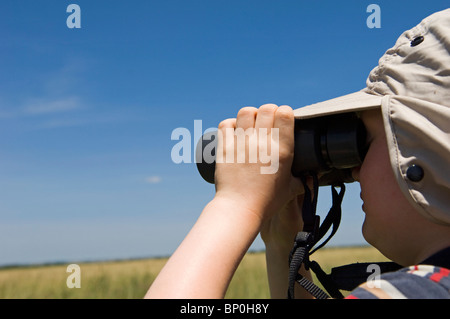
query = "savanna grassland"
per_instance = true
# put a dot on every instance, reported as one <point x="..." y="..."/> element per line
<point x="131" y="278"/>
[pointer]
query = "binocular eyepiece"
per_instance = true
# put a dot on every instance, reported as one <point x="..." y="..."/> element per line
<point x="329" y="146"/>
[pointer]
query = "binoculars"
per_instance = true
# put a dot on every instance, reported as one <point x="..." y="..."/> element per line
<point x="329" y="146"/>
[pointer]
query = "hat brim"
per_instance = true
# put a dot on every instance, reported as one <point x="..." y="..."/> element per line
<point x="354" y="102"/>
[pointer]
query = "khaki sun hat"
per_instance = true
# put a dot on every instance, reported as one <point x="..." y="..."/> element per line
<point x="411" y="85"/>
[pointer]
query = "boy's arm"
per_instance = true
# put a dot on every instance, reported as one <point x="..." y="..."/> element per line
<point x="278" y="234"/>
<point x="205" y="262"/>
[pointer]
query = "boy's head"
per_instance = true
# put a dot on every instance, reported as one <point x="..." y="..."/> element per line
<point x="392" y="223"/>
<point x="408" y="98"/>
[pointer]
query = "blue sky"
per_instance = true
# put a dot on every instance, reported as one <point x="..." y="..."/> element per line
<point x="86" y="115"/>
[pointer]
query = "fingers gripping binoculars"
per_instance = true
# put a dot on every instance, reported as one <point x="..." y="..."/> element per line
<point x="328" y="146"/>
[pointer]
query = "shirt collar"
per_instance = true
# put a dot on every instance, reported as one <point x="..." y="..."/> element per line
<point x="440" y="259"/>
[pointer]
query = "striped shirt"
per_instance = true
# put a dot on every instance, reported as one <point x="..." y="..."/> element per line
<point x="415" y="282"/>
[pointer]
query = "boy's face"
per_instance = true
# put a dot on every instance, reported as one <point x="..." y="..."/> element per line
<point x="390" y="218"/>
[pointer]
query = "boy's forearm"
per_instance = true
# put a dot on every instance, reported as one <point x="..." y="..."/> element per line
<point x="277" y="260"/>
<point x="205" y="262"/>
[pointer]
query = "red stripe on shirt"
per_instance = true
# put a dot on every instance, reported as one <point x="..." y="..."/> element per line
<point x="441" y="274"/>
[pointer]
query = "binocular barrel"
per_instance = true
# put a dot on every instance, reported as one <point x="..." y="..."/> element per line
<point x="329" y="146"/>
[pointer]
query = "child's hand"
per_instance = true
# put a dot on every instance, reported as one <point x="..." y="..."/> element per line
<point x="263" y="187"/>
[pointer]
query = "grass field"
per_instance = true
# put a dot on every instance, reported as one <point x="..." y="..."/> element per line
<point x="131" y="279"/>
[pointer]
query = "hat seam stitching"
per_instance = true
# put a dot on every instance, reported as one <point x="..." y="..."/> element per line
<point x="392" y="53"/>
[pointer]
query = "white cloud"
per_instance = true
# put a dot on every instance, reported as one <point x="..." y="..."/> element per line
<point x="41" y="106"/>
<point x="153" y="179"/>
<point x="55" y="97"/>
<point x="46" y="106"/>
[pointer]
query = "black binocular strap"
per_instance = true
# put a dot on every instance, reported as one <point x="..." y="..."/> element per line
<point x="311" y="235"/>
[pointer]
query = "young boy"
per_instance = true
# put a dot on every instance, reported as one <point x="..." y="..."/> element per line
<point x="404" y="179"/>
